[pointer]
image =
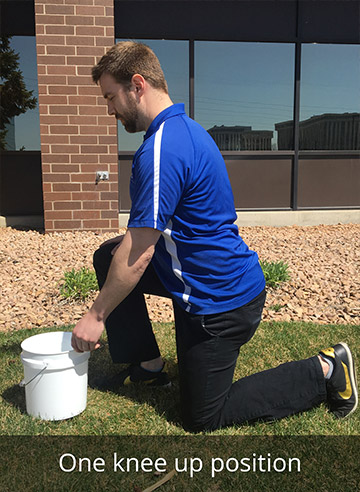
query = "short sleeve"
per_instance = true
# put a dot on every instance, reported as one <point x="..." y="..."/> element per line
<point x="157" y="182"/>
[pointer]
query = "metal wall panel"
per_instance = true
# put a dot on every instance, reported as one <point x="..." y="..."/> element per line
<point x="21" y="183"/>
<point x="258" y="182"/>
<point x="125" y="162"/>
<point x="17" y="18"/>
<point x="330" y="21"/>
<point x="329" y="181"/>
<point x="244" y="20"/>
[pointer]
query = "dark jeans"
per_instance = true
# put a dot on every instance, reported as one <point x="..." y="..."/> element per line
<point x="208" y="347"/>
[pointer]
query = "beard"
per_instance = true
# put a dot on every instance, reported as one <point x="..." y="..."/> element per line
<point x="129" y="116"/>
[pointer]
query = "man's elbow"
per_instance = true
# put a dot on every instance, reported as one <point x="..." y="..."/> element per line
<point x="142" y="244"/>
<point x="147" y="256"/>
<point x="142" y="261"/>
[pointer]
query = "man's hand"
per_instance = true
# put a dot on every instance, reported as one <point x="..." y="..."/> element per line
<point x="87" y="332"/>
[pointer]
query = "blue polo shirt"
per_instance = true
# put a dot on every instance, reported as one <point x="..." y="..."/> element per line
<point x="179" y="186"/>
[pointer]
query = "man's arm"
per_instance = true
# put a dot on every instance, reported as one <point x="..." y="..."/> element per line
<point x="130" y="261"/>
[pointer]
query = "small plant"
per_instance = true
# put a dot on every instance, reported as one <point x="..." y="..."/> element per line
<point x="276" y="307"/>
<point x="78" y="285"/>
<point x="275" y="272"/>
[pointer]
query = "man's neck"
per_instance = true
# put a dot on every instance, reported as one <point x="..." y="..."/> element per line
<point x="154" y="104"/>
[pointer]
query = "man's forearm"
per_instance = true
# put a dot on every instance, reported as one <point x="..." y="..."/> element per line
<point x="129" y="262"/>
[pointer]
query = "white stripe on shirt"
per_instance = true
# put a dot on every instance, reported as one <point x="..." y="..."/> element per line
<point x="157" y="150"/>
<point x="176" y="265"/>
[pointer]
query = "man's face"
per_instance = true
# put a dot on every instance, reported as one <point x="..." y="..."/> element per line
<point x="121" y="103"/>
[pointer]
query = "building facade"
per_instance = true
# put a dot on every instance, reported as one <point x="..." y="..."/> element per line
<point x="241" y="138"/>
<point x="274" y="83"/>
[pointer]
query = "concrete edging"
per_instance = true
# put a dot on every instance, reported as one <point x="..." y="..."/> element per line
<point x="35" y="221"/>
<point x="245" y="219"/>
<point x="298" y="217"/>
<point x="286" y="218"/>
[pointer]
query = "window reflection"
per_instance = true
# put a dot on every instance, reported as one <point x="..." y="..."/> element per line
<point x="242" y="90"/>
<point x="174" y="59"/>
<point x="330" y="97"/>
<point x="324" y="132"/>
<point x="24" y="130"/>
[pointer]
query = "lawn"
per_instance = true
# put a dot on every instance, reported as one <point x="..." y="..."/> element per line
<point x="145" y="422"/>
<point x="149" y="411"/>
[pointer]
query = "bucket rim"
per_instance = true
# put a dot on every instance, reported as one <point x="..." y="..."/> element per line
<point x="28" y="344"/>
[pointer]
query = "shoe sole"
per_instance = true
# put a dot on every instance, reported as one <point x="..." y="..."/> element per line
<point x="114" y="388"/>
<point x="150" y="383"/>
<point x="352" y="376"/>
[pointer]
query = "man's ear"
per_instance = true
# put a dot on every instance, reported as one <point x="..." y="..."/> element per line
<point x="138" y="84"/>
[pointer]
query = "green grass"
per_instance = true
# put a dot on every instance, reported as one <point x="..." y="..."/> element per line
<point x="142" y="410"/>
<point x="143" y="422"/>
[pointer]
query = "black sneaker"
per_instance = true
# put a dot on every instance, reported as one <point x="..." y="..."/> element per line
<point x="341" y="387"/>
<point x="133" y="374"/>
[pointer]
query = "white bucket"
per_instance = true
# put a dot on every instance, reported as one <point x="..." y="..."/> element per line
<point x="55" y="376"/>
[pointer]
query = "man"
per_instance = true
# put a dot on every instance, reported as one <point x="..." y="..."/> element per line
<point x="182" y="243"/>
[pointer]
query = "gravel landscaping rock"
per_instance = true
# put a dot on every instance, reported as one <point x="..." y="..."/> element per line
<point x="324" y="265"/>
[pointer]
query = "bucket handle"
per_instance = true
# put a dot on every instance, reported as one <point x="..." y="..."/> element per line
<point x="22" y="384"/>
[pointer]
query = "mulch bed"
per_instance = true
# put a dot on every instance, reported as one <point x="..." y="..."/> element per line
<point x="324" y="264"/>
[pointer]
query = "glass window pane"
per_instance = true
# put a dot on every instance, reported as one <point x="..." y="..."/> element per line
<point x="242" y="90"/>
<point x="24" y="131"/>
<point x="174" y="59"/>
<point x="330" y="97"/>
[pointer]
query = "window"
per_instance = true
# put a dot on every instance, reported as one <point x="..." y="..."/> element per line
<point x="24" y="132"/>
<point x="242" y="91"/>
<point x="330" y="97"/>
<point x="174" y="59"/>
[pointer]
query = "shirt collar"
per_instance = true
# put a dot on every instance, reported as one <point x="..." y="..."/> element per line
<point x="173" y="110"/>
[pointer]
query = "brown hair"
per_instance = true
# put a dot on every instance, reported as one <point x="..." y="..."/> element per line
<point x="127" y="58"/>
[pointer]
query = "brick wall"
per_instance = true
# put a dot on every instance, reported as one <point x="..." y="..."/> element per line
<point x="78" y="138"/>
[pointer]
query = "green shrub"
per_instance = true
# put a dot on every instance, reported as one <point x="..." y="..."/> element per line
<point x="78" y="285"/>
<point x="275" y="272"/>
<point x="276" y="307"/>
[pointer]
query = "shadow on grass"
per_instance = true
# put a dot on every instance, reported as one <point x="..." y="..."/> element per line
<point x="10" y="348"/>
<point x="15" y="396"/>
<point x="165" y="401"/>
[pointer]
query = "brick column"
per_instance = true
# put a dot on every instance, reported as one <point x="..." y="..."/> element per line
<point x="77" y="136"/>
